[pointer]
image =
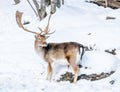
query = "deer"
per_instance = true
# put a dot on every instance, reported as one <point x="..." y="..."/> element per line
<point x="70" y="52"/>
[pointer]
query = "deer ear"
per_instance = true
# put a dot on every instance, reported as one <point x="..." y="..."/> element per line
<point x="35" y="36"/>
<point x="47" y="37"/>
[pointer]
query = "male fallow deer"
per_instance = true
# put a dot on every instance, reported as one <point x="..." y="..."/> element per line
<point x="70" y="51"/>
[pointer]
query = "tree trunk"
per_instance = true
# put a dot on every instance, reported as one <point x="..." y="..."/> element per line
<point x="41" y="10"/>
<point x="62" y="2"/>
<point x="47" y="2"/>
<point x="53" y="6"/>
<point x="58" y="3"/>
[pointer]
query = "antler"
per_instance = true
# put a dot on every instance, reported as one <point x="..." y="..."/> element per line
<point x="18" y="20"/>
<point x="46" y="31"/>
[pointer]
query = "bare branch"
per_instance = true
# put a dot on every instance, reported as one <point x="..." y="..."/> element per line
<point x="32" y="7"/>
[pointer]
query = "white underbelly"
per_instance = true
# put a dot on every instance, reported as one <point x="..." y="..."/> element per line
<point x="64" y="61"/>
<point x="60" y="61"/>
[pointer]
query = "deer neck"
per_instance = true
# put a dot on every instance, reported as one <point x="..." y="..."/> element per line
<point x="40" y="49"/>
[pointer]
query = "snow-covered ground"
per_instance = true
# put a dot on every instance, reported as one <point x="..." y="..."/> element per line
<point x="22" y="70"/>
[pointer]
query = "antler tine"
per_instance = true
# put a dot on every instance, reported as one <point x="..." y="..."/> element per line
<point x="40" y="30"/>
<point x="46" y="31"/>
<point x="18" y="20"/>
<point x="50" y="33"/>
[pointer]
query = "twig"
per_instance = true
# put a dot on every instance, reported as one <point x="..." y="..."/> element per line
<point x="32" y="7"/>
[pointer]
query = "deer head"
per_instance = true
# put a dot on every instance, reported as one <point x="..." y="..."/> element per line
<point x="40" y="36"/>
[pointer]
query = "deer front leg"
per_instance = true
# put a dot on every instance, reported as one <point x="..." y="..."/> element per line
<point x="49" y="72"/>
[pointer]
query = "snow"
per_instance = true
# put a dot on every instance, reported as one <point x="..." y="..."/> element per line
<point x="22" y="70"/>
<point x="97" y="62"/>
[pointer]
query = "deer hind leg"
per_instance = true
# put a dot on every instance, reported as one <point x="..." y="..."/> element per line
<point x="74" y="67"/>
<point x="49" y="72"/>
<point x="76" y="70"/>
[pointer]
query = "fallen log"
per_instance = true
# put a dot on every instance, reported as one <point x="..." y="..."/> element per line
<point x="110" y="3"/>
